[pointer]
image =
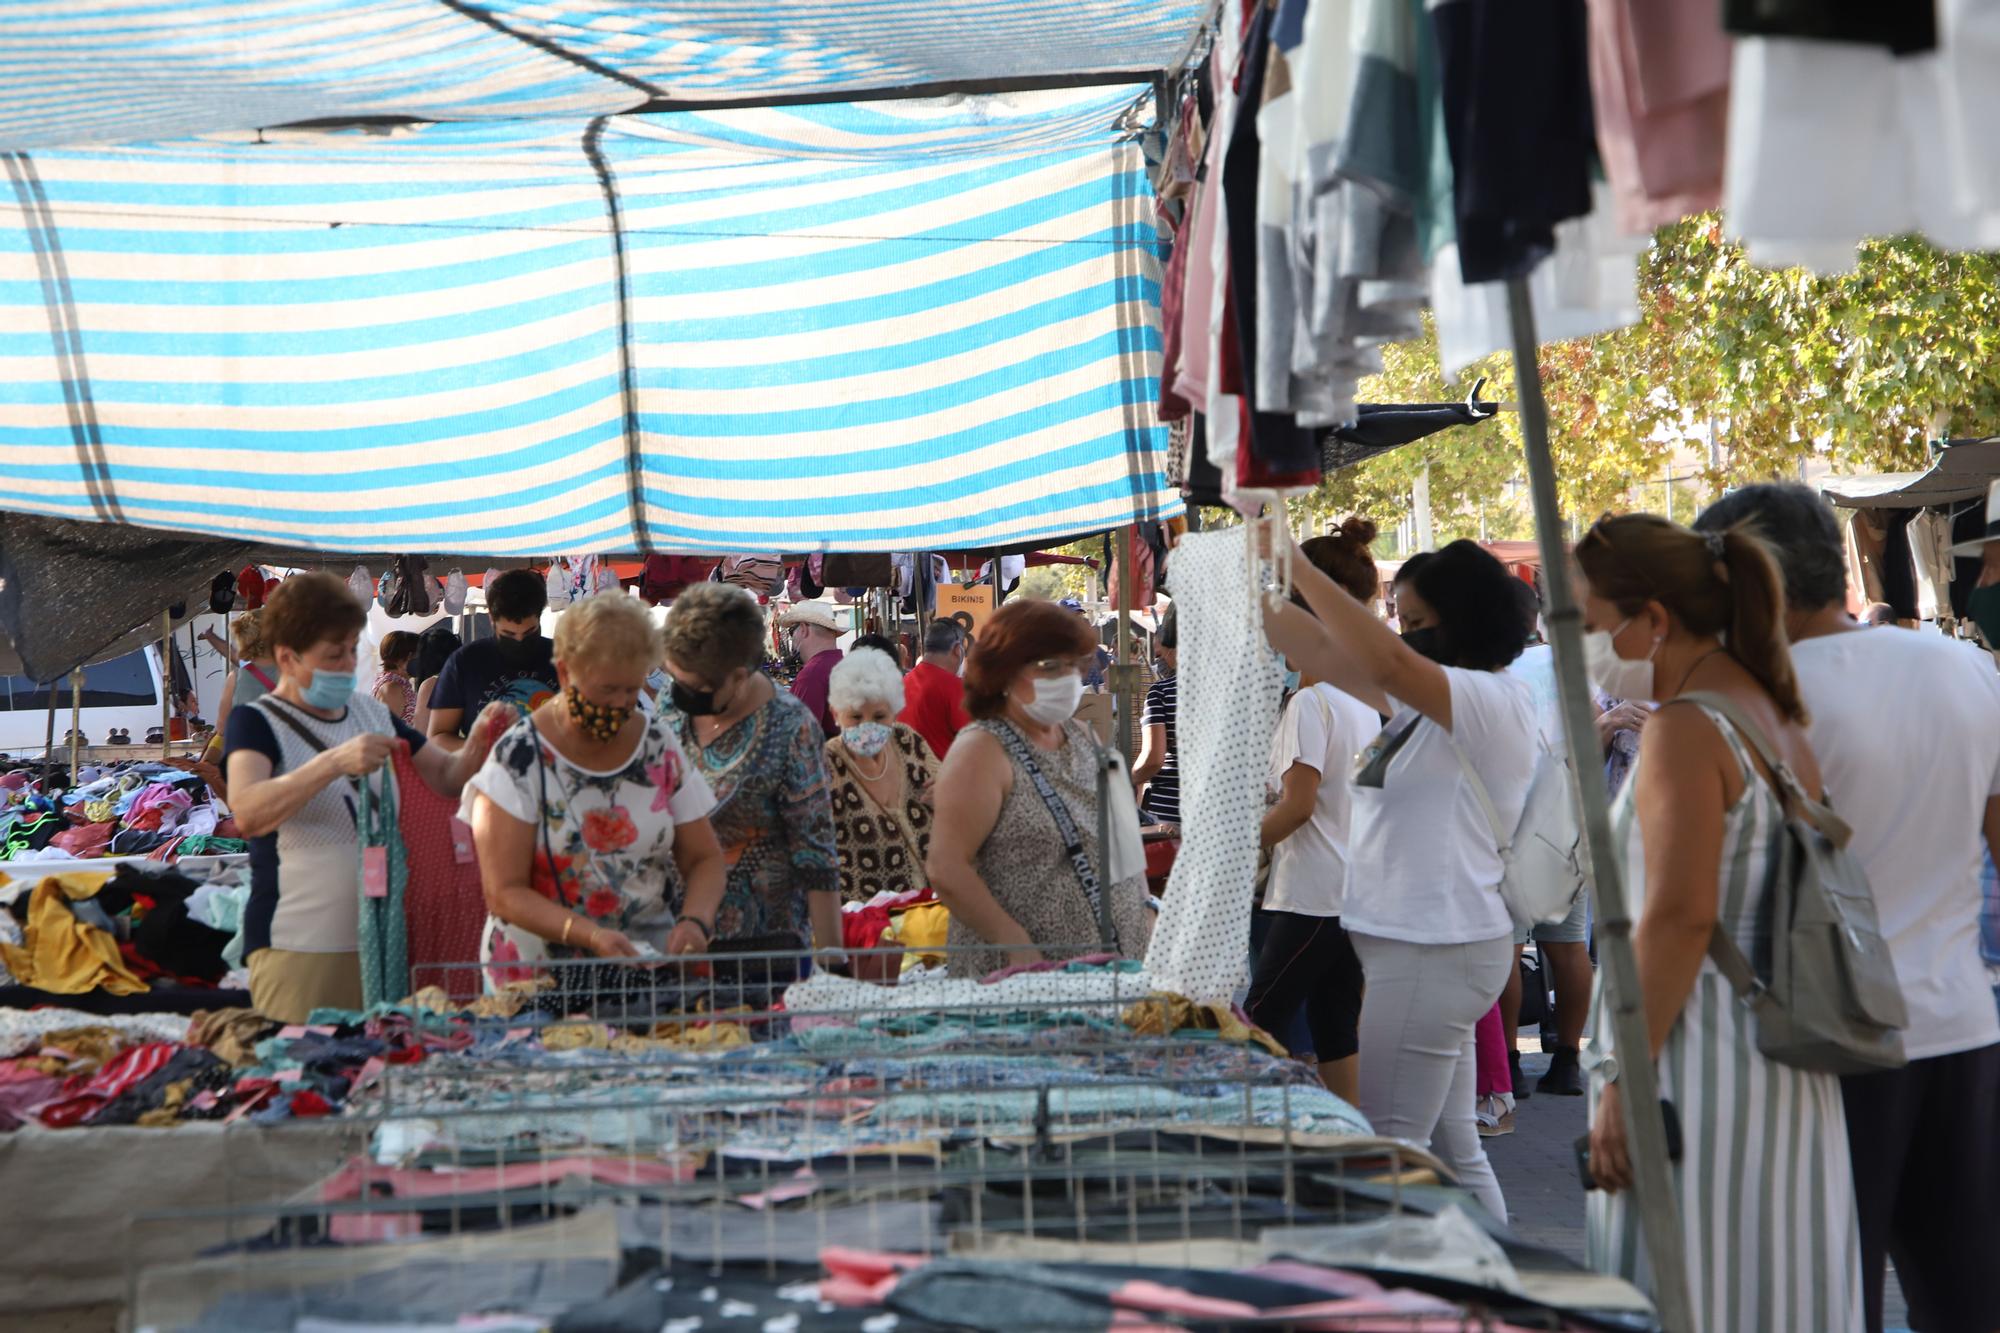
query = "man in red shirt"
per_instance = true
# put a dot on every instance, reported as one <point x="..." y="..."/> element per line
<point x="933" y="694"/>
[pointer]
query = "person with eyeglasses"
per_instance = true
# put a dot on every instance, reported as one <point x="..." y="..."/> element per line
<point x="1014" y="852"/>
<point x="763" y="756"/>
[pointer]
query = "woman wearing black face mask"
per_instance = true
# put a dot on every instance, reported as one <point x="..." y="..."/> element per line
<point x="1422" y="905"/>
<point x="763" y="754"/>
<point x="591" y="824"/>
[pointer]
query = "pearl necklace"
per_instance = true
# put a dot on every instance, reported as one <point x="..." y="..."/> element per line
<point x="866" y="776"/>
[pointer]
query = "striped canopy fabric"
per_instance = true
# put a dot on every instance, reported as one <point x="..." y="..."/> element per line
<point x="95" y="71"/>
<point x="920" y="324"/>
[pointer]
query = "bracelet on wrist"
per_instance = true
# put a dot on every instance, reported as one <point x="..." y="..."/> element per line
<point x="707" y="930"/>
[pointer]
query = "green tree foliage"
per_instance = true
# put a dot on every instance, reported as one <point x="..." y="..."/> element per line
<point x="1860" y="369"/>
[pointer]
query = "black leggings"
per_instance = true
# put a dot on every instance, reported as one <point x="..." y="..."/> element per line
<point x="1309" y="959"/>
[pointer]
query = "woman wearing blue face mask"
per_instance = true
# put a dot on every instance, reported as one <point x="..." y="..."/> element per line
<point x="881" y="774"/>
<point x="297" y="758"/>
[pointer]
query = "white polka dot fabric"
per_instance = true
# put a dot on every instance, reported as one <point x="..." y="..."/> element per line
<point x="1229" y="686"/>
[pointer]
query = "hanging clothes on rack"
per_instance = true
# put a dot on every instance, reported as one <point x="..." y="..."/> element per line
<point x="1902" y="29"/>
<point x="1659" y="77"/>
<point x="1227" y="712"/>
<point x="1272" y="451"/>
<point x="1831" y="142"/>
<point x="1516" y="97"/>
<point x="1370" y="197"/>
<point x="1219" y="332"/>
<point x="1930" y="547"/>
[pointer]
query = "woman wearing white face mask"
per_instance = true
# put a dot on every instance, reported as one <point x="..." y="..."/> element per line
<point x="1000" y="854"/>
<point x="880" y="773"/>
<point x="1670" y="613"/>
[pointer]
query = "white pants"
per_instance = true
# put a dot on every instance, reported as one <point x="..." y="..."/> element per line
<point x="1419" y="1080"/>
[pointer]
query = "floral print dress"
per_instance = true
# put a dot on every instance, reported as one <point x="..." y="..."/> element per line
<point x="604" y="841"/>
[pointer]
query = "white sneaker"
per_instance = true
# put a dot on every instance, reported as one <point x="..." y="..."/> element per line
<point x="1493" y="1117"/>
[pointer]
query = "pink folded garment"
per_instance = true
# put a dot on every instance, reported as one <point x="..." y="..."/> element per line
<point x="362" y="1177"/>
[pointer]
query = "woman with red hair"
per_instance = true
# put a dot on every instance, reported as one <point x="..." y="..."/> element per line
<point x="1014" y="851"/>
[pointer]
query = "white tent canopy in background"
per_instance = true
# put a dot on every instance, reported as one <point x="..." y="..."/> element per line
<point x="99" y="71"/>
<point x="547" y="324"/>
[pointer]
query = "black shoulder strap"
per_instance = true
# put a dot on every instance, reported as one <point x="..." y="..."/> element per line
<point x="542" y="799"/>
<point x="283" y="714"/>
<point x="279" y="710"/>
<point x="1066" y="829"/>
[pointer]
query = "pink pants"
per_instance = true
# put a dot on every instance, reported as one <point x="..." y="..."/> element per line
<point x="1489" y="1045"/>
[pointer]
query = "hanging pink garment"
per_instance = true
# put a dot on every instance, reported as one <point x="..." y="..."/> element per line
<point x="1489" y="1049"/>
<point x="1659" y="82"/>
<point x="444" y="908"/>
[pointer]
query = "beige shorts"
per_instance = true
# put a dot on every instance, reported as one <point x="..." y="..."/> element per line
<point x="288" y="986"/>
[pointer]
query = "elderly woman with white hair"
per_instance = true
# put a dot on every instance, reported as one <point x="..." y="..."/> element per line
<point x="882" y="773"/>
<point x="591" y="824"/>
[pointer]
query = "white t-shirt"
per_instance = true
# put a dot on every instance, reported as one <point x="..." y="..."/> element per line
<point x="1324" y="729"/>
<point x="1537" y="666"/>
<point x="1423" y="865"/>
<point x="1906" y="726"/>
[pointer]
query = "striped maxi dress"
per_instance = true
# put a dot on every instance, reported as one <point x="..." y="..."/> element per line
<point x="1766" y="1193"/>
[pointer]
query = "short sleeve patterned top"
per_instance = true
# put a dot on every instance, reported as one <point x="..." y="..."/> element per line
<point x="604" y="841"/>
<point x="772" y="817"/>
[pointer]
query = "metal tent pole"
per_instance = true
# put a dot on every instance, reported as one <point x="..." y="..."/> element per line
<point x="166" y="684"/>
<point x="75" y="724"/>
<point x="1128" y="730"/>
<point x="1653" y="1188"/>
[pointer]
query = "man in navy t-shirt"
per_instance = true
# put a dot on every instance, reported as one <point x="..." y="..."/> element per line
<point x="517" y="666"/>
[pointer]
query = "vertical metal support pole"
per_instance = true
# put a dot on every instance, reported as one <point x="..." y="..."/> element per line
<point x="166" y="684"/>
<point x="1127" y="687"/>
<point x="75" y="724"/>
<point x="1107" y="772"/>
<point x="49" y="744"/>
<point x="1653" y="1195"/>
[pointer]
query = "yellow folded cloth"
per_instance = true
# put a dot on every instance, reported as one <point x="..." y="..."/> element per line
<point x="62" y="954"/>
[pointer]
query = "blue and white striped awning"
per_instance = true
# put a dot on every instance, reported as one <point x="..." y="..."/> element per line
<point x="900" y="324"/>
<point x="94" y="71"/>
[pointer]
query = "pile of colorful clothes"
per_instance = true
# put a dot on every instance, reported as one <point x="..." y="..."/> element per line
<point x="147" y="809"/>
<point x="603" y="1244"/>
<point x="131" y="941"/>
<point x="514" y="1068"/>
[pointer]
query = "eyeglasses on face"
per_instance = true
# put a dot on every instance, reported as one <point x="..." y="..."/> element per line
<point x="1054" y="668"/>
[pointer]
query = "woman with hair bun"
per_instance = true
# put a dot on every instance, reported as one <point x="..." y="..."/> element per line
<point x="1422" y="905"/>
<point x="1670" y="614"/>
<point x="1306" y="955"/>
<point x="999" y="859"/>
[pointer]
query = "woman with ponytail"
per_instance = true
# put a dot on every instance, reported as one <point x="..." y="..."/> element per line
<point x="1671" y="615"/>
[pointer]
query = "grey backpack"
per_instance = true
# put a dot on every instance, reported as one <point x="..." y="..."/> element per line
<point x="1829" y="1000"/>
